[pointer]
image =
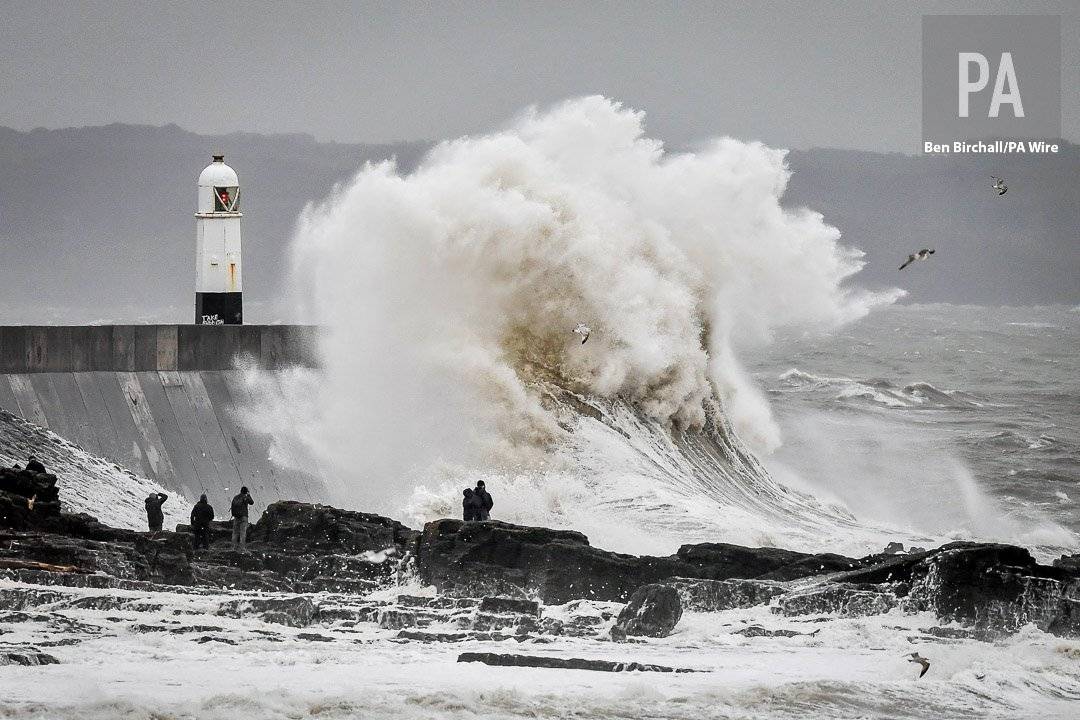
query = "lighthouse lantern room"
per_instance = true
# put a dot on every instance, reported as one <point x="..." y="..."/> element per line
<point x="218" y="286"/>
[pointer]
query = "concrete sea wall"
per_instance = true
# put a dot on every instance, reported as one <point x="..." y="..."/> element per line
<point x="163" y="401"/>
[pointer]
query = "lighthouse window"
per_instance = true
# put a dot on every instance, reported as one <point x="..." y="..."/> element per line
<point x="226" y="199"/>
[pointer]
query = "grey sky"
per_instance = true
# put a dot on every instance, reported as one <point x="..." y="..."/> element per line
<point x="842" y="74"/>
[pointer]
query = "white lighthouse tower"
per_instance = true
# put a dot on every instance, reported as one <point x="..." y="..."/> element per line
<point x="217" y="247"/>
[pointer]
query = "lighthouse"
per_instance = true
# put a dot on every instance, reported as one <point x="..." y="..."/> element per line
<point x="217" y="247"/>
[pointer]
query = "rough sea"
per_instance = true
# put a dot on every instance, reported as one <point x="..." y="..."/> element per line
<point x="938" y="417"/>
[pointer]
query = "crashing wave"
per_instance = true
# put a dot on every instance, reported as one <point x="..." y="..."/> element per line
<point x="450" y="296"/>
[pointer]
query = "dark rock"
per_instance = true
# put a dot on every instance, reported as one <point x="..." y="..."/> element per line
<point x="996" y="588"/>
<point x="653" y="611"/>
<point x="718" y="595"/>
<point x="295" y="611"/>
<point x="391" y="619"/>
<point x="1069" y="563"/>
<point x="557" y="566"/>
<point x="500" y="621"/>
<point x="208" y="638"/>
<point x="314" y="637"/>
<point x="536" y="661"/>
<point x="893" y="548"/>
<point x="27" y="657"/>
<point x="436" y="602"/>
<point x="510" y="605"/>
<point x="320" y="529"/>
<point x="759" y="631"/>
<point x="841" y="599"/>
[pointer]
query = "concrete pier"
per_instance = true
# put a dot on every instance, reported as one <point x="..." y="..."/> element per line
<point x="136" y="348"/>
<point x="159" y="400"/>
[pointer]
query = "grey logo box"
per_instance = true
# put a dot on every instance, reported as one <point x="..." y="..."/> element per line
<point x="1033" y="45"/>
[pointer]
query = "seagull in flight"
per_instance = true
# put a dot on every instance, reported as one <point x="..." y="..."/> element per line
<point x="999" y="185"/>
<point x="917" y="658"/>
<point x="921" y="255"/>
<point x="583" y="330"/>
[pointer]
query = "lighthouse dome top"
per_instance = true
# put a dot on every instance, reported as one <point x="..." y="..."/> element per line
<point x="219" y="189"/>
<point x="218" y="174"/>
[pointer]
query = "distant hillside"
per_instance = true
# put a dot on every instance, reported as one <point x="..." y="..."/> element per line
<point x="96" y="224"/>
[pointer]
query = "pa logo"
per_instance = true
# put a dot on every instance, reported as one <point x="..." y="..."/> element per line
<point x="991" y="77"/>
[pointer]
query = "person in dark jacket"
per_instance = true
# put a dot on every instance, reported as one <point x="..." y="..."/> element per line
<point x="486" y="503"/>
<point x="154" y="516"/>
<point x="240" y="518"/>
<point x="201" y="517"/>
<point x="471" y="506"/>
<point x="34" y="465"/>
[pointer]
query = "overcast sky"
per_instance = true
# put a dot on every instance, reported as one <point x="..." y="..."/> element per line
<point x="841" y="74"/>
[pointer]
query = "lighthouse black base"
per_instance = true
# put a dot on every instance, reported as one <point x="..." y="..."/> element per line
<point x="219" y="309"/>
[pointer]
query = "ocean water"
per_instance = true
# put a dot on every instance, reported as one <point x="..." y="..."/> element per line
<point x="937" y="418"/>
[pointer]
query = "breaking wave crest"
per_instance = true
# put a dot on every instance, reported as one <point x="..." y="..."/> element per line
<point x="449" y="297"/>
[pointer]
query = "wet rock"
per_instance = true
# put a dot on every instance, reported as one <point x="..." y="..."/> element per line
<point x="653" y="611"/>
<point x="27" y="657"/>
<point x="314" y="637"/>
<point x="996" y="588"/>
<point x="718" y="595"/>
<point x="752" y="631"/>
<point x="721" y="561"/>
<point x="27" y="498"/>
<point x="1069" y="563"/>
<point x="441" y="602"/>
<point x="294" y="612"/>
<point x="536" y="661"/>
<point x="557" y="566"/>
<point x="27" y="598"/>
<point x="501" y="621"/>
<point x="320" y="529"/>
<point x="208" y="638"/>
<point x="843" y="599"/>
<point x="552" y="626"/>
<point x="392" y="619"/>
<point x="510" y="605"/>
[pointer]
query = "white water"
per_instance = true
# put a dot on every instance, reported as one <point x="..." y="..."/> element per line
<point x="450" y="295"/>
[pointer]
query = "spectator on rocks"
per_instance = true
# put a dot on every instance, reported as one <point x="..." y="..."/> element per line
<point x="154" y="516"/>
<point x="35" y="465"/>
<point x="240" y="518"/>
<point x="486" y="502"/>
<point x="471" y="506"/>
<point x="201" y="517"/>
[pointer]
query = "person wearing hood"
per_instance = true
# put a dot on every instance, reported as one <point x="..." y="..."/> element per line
<point x="154" y="516"/>
<point x="201" y="517"/>
<point x="486" y="503"/>
<point x="471" y="506"/>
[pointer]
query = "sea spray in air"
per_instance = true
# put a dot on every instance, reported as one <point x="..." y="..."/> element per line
<point x="450" y="296"/>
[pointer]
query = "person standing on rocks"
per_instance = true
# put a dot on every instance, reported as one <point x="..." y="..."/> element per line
<point x="471" y="506"/>
<point x="35" y="465"/>
<point x="201" y="517"/>
<point x="154" y="516"/>
<point x="240" y="518"/>
<point x="486" y="503"/>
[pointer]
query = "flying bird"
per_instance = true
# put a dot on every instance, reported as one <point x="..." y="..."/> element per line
<point x="583" y="330"/>
<point x="917" y="658"/>
<point x="999" y="185"/>
<point x="921" y="255"/>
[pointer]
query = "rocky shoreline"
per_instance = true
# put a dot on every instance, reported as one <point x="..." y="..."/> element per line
<point x="312" y="565"/>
